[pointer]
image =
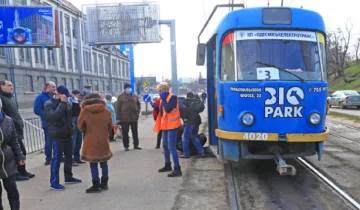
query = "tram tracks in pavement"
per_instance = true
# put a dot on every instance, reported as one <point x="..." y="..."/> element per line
<point x="320" y="175"/>
<point x="343" y="136"/>
<point x="235" y="193"/>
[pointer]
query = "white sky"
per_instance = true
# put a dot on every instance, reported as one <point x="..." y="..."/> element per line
<point x="155" y="59"/>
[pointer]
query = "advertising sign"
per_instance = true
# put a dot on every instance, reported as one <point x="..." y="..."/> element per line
<point x="27" y="26"/>
<point x="123" y="23"/>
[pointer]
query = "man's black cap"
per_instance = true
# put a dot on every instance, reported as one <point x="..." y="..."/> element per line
<point x="75" y="92"/>
<point x="87" y="86"/>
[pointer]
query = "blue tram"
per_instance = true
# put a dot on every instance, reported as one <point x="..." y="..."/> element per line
<point x="267" y="85"/>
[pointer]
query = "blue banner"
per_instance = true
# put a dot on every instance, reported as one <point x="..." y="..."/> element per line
<point x="26" y="26"/>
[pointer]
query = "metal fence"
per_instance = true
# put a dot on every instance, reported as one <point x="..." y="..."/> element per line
<point x="33" y="135"/>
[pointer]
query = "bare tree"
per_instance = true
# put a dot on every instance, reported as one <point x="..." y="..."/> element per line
<point x="139" y="84"/>
<point x="357" y="46"/>
<point x="338" y="46"/>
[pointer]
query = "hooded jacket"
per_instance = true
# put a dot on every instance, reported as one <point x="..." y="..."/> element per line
<point x="59" y="120"/>
<point x="10" y="152"/>
<point x="10" y="108"/>
<point x="96" y="123"/>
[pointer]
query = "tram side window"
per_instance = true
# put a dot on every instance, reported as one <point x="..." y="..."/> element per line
<point x="227" y="62"/>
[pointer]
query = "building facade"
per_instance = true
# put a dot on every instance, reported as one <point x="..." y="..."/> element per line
<point x="74" y="64"/>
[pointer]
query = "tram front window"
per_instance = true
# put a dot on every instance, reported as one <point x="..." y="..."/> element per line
<point x="272" y="59"/>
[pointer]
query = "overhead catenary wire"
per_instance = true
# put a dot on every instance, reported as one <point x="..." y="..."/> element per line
<point x="203" y="5"/>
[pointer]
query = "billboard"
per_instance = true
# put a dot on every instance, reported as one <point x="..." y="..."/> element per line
<point x="123" y="23"/>
<point x="27" y="26"/>
<point x="185" y="80"/>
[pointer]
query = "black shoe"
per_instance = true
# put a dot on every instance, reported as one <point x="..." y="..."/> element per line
<point x="95" y="188"/>
<point x="167" y="167"/>
<point x="157" y="147"/>
<point x="175" y="172"/>
<point x="201" y="155"/>
<point x="19" y="177"/>
<point x="80" y="162"/>
<point x="104" y="183"/>
<point x="138" y="148"/>
<point x="127" y="149"/>
<point x="28" y="175"/>
<point x="48" y="162"/>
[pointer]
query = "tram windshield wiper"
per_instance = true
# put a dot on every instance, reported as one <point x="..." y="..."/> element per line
<point x="281" y="69"/>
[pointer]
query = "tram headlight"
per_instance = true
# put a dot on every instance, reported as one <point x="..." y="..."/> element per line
<point x="247" y="119"/>
<point x="315" y="118"/>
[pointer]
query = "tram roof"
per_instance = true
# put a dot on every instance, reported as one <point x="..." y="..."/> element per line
<point x="252" y="18"/>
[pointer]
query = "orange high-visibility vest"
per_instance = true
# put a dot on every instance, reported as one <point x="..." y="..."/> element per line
<point x="168" y="121"/>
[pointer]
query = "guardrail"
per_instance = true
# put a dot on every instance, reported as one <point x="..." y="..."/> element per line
<point x="33" y="135"/>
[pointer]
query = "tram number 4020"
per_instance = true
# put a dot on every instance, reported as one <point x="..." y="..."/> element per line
<point x="256" y="136"/>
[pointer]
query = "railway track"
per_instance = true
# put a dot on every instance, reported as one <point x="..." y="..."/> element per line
<point x="343" y="124"/>
<point x="347" y="126"/>
<point x="330" y="183"/>
<point x="235" y="197"/>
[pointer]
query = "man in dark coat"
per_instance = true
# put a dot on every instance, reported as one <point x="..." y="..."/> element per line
<point x="189" y="112"/>
<point x="39" y="102"/>
<point x="9" y="107"/>
<point x="11" y="154"/>
<point x="58" y="115"/>
<point x="127" y="114"/>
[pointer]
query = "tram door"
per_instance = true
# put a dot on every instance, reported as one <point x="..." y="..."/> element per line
<point x="212" y="90"/>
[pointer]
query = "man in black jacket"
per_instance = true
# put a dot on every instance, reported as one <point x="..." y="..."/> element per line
<point x="189" y="112"/>
<point x="58" y="116"/>
<point x="11" y="154"/>
<point x="9" y="107"/>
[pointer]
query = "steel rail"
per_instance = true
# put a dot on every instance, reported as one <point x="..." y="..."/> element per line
<point x="231" y="187"/>
<point x="330" y="183"/>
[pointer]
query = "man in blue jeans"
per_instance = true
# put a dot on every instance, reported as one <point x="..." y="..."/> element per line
<point x="39" y="102"/>
<point x="189" y="112"/>
<point x="77" y="137"/>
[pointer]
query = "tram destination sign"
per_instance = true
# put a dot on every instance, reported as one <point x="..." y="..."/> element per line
<point x="123" y="23"/>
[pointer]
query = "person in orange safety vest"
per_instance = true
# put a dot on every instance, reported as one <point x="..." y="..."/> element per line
<point x="168" y="121"/>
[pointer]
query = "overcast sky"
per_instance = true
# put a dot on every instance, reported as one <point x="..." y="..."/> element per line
<point x="190" y="17"/>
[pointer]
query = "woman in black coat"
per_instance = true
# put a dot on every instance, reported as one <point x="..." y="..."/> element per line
<point x="10" y="155"/>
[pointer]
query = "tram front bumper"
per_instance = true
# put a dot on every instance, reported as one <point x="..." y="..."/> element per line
<point x="290" y="137"/>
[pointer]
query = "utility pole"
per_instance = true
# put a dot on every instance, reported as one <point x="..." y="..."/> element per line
<point x="282" y="2"/>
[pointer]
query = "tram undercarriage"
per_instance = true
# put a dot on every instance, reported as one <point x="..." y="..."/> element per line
<point x="230" y="150"/>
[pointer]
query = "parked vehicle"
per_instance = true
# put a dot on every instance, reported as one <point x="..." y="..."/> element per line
<point x="345" y="98"/>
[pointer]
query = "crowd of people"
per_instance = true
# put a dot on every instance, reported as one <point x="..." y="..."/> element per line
<point x="79" y="126"/>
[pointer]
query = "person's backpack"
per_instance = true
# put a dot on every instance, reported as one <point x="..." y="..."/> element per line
<point x="197" y="106"/>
